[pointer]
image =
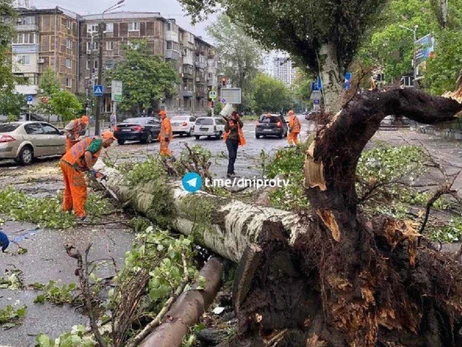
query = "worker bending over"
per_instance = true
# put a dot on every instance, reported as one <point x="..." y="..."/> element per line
<point x="79" y="159"/>
<point x="75" y="131"/>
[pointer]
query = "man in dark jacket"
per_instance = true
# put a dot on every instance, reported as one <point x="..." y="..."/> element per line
<point x="233" y="137"/>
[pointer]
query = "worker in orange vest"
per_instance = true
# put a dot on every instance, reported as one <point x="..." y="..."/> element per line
<point x="234" y="137"/>
<point x="75" y="131"/>
<point x="165" y="135"/>
<point x="294" y="128"/>
<point x="79" y="159"/>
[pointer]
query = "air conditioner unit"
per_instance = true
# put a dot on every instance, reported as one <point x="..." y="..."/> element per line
<point x="41" y="61"/>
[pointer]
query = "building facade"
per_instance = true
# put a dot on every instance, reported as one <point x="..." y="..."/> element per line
<point x="69" y="44"/>
<point x="283" y="70"/>
<point x="45" y="38"/>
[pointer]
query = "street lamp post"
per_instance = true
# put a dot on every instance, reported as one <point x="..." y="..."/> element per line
<point x="414" y="63"/>
<point x="119" y="4"/>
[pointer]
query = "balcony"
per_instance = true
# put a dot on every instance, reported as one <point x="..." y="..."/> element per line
<point x="172" y="54"/>
<point x="27" y="27"/>
<point x="18" y="48"/>
<point x="187" y="75"/>
<point x="210" y="83"/>
<point x="200" y="80"/>
<point x="201" y="94"/>
<point x="187" y="93"/>
<point x="201" y="65"/>
<point x="188" y="60"/>
<point x="171" y="36"/>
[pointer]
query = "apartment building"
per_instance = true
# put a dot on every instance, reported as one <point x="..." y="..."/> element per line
<point x="45" y="38"/>
<point x="69" y="44"/>
<point x="284" y="70"/>
<point x="120" y="29"/>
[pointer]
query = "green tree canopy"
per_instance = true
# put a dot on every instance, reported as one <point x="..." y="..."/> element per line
<point x="7" y="16"/>
<point x="11" y="103"/>
<point x="241" y="55"/>
<point x="270" y="95"/>
<point x="146" y="78"/>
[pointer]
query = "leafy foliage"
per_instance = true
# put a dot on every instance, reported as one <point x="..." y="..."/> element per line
<point x="8" y="15"/>
<point x="56" y="294"/>
<point x="11" y="103"/>
<point x="452" y="232"/>
<point x="289" y="163"/>
<point x="269" y="94"/>
<point x="240" y="54"/>
<point x="147" y="79"/>
<point x="75" y="338"/>
<point x="12" y="279"/>
<point x="10" y="316"/>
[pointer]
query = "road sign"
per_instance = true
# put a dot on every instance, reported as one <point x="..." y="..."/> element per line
<point x="116" y="91"/>
<point x="316" y="101"/>
<point x="231" y="95"/>
<point x="316" y="85"/>
<point x="29" y="99"/>
<point x="98" y="90"/>
<point x="347" y="83"/>
<point x="212" y="95"/>
<point x="315" y="95"/>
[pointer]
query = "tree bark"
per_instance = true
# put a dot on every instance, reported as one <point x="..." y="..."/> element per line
<point x="332" y="82"/>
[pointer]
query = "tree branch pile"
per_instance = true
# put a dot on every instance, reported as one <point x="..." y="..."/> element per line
<point x="329" y="277"/>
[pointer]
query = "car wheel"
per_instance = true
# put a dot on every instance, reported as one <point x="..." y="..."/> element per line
<point x="197" y="137"/>
<point x="219" y="136"/>
<point x="188" y="134"/>
<point x="281" y="135"/>
<point x="149" y="138"/>
<point x="26" y="156"/>
<point x="120" y="142"/>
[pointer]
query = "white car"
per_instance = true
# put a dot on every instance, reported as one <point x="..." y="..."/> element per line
<point x="209" y="126"/>
<point x="182" y="125"/>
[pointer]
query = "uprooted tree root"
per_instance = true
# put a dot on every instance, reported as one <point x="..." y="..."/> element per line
<point x="402" y="295"/>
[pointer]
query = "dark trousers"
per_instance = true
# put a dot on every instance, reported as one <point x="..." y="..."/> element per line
<point x="232" y="146"/>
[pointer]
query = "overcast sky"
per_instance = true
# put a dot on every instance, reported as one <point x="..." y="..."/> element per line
<point x="167" y="8"/>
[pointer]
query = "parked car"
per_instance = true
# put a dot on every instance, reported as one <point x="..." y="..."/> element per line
<point x="24" y="141"/>
<point x="274" y="125"/>
<point x="143" y="129"/>
<point x="182" y="125"/>
<point x="311" y="114"/>
<point x="208" y="126"/>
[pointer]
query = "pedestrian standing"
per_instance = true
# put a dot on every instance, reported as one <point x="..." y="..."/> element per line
<point x="75" y="131"/>
<point x="113" y="120"/>
<point x="165" y="135"/>
<point x="234" y="137"/>
<point x="294" y="128"/>
<point x="81" y="158"/>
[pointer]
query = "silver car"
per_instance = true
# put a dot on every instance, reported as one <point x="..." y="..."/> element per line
<point x="24" y="141"/>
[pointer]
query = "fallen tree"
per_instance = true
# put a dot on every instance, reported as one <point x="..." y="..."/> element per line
<point x="329" y="276"/>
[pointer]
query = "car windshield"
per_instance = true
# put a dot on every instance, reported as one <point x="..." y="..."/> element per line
<point x="204" y="121"/>
<point x="139" y="120"/>
<point x="272" y="119"/>
<point x="7" y="128"/>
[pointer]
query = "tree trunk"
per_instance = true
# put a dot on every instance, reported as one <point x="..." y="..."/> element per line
<point x="328" y="276"/>
<point x="332" y="81"/>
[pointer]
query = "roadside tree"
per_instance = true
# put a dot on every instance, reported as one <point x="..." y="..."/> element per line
<point x="146" y="78"/>
<point x="269" y="94"/>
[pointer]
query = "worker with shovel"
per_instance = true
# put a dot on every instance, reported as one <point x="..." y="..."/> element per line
<point x="79" y="159"/>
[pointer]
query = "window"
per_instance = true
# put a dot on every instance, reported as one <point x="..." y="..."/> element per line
<point x="169" y="26"/>
<point x="68" y="24"/>
<point x="69" y="44"/>
<point x="26" y="20"/>
<point x="91" y="28"/>
<point x="24" y="59"/>
<point x="95" y="64"/>
<point x="88" y="64"/>
<point x="68" y="63"/>
<point x="133" y="45"/>
<point x="109" y="65"/>
<point x="191" y="38"/>
<point x="109" y="45"/>
<point x="49" y="130"/>
<point x="33" y="129"/>
<point x="69" y="82"/>
<point x="25" y="38"/>
<point x="133" y="26"/>
<point x="92" y="46"/>
<point x="109" y="27"/>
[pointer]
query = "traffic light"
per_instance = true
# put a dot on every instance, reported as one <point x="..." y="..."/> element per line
<point x="223" y="82"/>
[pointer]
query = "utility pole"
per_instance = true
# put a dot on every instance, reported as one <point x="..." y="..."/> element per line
<point x="100" y="77"/>
<point x="414" y="63"/>
<point x="100" y="64"/>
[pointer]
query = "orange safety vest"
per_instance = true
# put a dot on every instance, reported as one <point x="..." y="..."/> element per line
<point x="77" y="129"/>
<point x="294" y="124"/>
<point x="76" y="155"/>
<point x="165" y="129"/>
<point x="242" y="141"/>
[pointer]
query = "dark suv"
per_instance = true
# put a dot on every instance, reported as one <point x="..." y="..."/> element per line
<point x="273" y="125"/>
